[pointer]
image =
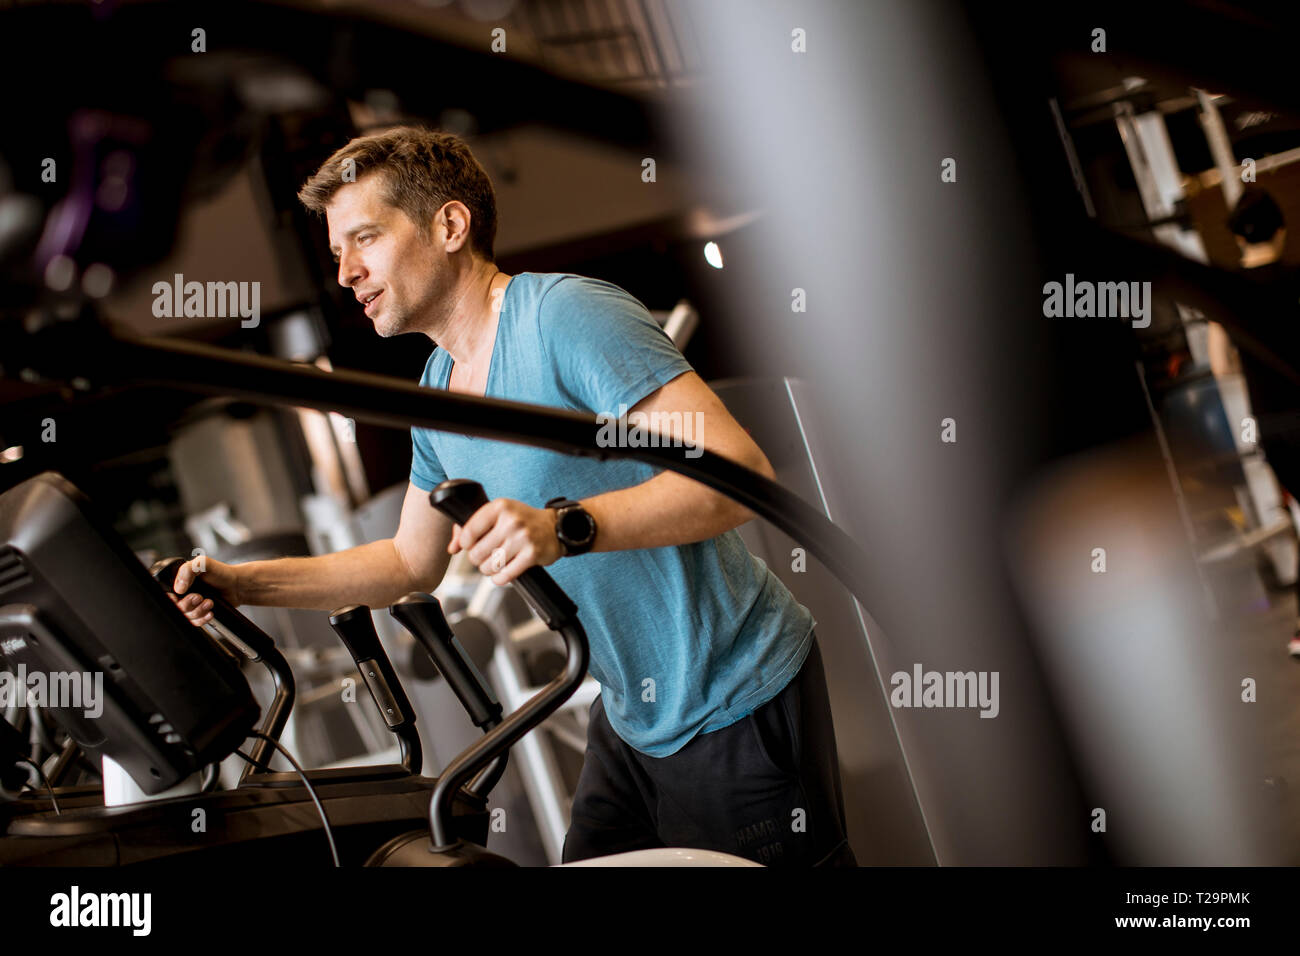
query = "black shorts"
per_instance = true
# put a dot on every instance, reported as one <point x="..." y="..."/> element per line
<point x="766" y="787"/>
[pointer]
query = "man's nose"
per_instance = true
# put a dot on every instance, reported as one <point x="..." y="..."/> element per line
<point x="350" y="271"/>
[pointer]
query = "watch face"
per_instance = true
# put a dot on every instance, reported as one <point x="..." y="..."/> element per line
<point x="575" y="525"/>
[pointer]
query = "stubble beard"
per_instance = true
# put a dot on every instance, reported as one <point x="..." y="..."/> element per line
<point x="392" y="321"/>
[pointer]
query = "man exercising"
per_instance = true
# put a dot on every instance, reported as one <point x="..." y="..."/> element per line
<point x="713" y="726"/>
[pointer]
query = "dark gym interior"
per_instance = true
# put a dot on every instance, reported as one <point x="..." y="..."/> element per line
<point x="1009" y="302"/>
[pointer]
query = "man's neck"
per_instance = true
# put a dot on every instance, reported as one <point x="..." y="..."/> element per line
<point x="469" y="325"/>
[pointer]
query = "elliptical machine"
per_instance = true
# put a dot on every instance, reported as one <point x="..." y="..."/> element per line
<point x="175" y="703"/>
<point x="77" y="607"/>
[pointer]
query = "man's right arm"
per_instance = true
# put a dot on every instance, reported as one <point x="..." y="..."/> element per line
<point x="374" y="574"/>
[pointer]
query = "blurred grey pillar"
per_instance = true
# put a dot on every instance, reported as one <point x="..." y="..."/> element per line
<point x="1152" y="695"/>
<point x="908" y="323"/>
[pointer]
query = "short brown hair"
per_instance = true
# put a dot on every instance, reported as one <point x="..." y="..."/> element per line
<point x="422" y="170"/>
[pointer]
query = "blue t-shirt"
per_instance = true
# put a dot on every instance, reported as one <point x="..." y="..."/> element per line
<point x="685" y="639"/>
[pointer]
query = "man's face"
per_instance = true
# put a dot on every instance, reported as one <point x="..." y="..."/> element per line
<point x="380" y="250"/>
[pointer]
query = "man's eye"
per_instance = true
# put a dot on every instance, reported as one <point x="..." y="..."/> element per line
<point x="365" y="238"/>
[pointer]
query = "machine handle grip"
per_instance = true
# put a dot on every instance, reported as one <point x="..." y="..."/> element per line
<point x="459" y="499"/>
<point x="356" y="629"/>
<point x="257" y="643"/>
<point x="421" y="614"/>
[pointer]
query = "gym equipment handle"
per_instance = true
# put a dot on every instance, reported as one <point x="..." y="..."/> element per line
<point x="356" y="629"/>
<point x="421" y="614"/>
<point x="458" y="499"/>
<point x="252" y="641"/>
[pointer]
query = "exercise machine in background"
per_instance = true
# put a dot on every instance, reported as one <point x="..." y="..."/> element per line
<point x="170" y="701"/>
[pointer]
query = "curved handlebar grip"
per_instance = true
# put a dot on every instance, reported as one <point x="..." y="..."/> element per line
<point x="253" y="642"/>
<point x="421" y="614"/>
<point x="356" y="629"/>
<point x="257" y="642"/>
<point x="458" y="499"/>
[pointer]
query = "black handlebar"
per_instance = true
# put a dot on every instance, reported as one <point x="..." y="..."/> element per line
<point x="421" y="614"/>
<point x="254" y="643"/>
<point x="356" y="629"/>
<point x="458" y="499"/>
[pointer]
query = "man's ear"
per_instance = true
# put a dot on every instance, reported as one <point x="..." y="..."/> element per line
<point x="453" y="221"/>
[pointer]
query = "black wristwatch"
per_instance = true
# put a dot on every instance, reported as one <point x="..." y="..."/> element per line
<point x="574" y="526"/>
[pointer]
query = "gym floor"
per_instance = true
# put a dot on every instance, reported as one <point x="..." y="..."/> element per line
<point x="1260" y="623"/>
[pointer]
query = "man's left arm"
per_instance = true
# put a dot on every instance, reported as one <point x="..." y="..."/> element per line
<point x="672" y="509"/>
<point x="669" y="509"/>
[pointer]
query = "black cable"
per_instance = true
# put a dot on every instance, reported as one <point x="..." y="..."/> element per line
<point x="46" y="781"/>
<point x="329" y="834"/>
